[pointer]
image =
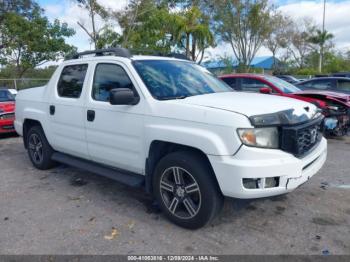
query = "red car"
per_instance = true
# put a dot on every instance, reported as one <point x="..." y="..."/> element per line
<point x="7" y="111"/>
<point x="335" y="106"/>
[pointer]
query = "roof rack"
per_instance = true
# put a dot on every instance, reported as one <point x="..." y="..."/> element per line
<point x="122" y="52"/>
<point x="158" y="53"/>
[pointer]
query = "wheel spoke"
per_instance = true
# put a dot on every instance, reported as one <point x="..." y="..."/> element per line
<point x="36" y="156"/>
<point x="39" y="145"/>
<point x="189" y="206"/>
<point x="173" y="205"/>
<point x="192" y="188"/>
<point x="31" y="146"/>
<point x="166" y="186"/>
<point x="177" y="175"/>
<point x="35" y="140"/>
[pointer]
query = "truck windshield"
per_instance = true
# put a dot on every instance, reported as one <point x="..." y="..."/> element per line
<point x="167" y="79"/>
<point x="282" y="85"/>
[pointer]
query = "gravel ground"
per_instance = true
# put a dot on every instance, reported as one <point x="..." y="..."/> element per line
<point x="69" y="211"/>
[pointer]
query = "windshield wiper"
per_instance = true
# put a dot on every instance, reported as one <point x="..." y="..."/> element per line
<point x="172" y="97"/>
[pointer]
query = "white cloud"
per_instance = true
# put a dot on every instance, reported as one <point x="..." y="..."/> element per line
<point x="337" y="17"/>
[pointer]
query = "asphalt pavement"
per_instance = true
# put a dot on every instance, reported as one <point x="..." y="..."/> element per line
<point x="68" y="211"/>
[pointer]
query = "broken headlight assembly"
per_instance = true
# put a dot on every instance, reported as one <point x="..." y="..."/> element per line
<point x="266" y="137"/>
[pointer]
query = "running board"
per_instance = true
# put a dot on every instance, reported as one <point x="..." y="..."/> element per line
<point x="125" y="177"/>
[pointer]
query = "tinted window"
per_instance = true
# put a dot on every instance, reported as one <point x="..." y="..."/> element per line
<point x="107" y="77"/>
<point x="71" y="81"/>
<point x="231" y="82"/>
<point x="171" y="79"/>
<point x="344" y="85"/>
<point x="6" y="96"/>
<point x="252" y="85"/>
<point x="321" y="84"/>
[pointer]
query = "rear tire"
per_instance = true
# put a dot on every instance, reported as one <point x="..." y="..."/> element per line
<point x="186" y="190"/>
<point x="39" y="149"/>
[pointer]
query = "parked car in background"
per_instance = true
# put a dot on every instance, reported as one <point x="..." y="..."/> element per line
<point x="289" y="78"/>
<point x="335" y="106"/>
<point x="342" y="74"/>
<point x="335" y="84"/>
<point x="7" y="111"/>
<point x="13" y="92"/>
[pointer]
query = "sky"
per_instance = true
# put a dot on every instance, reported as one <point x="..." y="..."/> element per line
<point x="337" y="20"/>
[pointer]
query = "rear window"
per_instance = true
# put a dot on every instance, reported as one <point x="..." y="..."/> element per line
<point x="71" y="81"/>
<point x="344" y="85"/>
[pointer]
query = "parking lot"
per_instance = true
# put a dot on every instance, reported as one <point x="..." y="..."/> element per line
<point x="69" y="211"/>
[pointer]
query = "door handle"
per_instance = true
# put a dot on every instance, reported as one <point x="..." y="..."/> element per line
<point x="90" y="115"/>
<point x="52" y="110"/>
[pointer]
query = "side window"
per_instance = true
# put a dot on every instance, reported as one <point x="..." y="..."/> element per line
<point x="344" y="85"/>
<point x="71" y="81"/>
<point x="252" y="85"/>
<point x="107" y="77"/>
<point x="321" y="84"/>
<point x="231" y="82"/>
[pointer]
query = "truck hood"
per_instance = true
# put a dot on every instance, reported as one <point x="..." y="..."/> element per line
<point x="250" y="104"/>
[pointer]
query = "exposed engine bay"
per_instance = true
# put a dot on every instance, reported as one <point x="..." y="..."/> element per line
<point x="336" y="110"/>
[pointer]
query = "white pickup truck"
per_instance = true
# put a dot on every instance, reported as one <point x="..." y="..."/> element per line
<point x="169" y="125"/>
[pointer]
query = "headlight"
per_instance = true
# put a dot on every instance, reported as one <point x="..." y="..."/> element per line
<point x="259" y="137"/>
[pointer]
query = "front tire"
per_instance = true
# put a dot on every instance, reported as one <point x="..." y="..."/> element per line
<point x="39" y="149"/>
<point x="186" y="190"/>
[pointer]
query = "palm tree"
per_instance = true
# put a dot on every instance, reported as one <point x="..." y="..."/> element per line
<point x="194" y="30"/>
<point x="320" y="38"/>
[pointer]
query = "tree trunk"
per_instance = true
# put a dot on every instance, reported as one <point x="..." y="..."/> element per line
<point x="320" y="59"/>
<point x="92" y="14"/>
<point x="193" y="48"/>
<point x="187" y="45"/>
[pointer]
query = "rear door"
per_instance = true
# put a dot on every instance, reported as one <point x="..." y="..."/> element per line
<point x="67" y="111"/>
<point x="114" y="132"/>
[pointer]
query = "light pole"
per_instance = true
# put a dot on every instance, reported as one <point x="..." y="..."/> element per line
<point x="323" y="35"/>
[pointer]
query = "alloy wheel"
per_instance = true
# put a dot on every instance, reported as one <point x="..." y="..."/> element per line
<point x="35" y="146"/>
<point x="180" y="192"/>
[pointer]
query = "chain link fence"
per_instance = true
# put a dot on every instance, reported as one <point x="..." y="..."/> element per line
<point x="22" y="83"/>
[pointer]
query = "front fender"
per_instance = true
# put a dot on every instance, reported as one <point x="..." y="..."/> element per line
<point x="212" y="140"/>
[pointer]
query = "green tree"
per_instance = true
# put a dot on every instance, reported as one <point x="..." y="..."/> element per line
<point x="193" y="33"/>
<point x="245" y="25"/>
<point x="155" y="26"/>
<point x="278" y="37"/>
<point x="95" y="9"/>
<point x="298" y="45"/>
<point x="31" y="40"/>
<point x="320" y="38"/>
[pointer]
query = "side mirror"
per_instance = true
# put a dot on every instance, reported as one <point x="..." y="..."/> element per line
<point x="123" y="96"/>
<point x="265" y="90"/>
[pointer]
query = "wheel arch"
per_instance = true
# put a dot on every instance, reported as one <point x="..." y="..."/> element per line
<point x="158" y="149"/>
<point x="28" y="123"/>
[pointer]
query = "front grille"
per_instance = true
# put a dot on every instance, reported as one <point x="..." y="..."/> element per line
<point x="7" y="116"/>
<point x="300" y="139"/>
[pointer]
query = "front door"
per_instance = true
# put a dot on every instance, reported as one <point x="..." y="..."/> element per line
<point x="114" y="132"/>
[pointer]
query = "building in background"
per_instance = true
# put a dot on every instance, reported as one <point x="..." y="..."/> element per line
<point x="262" y="64"/>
